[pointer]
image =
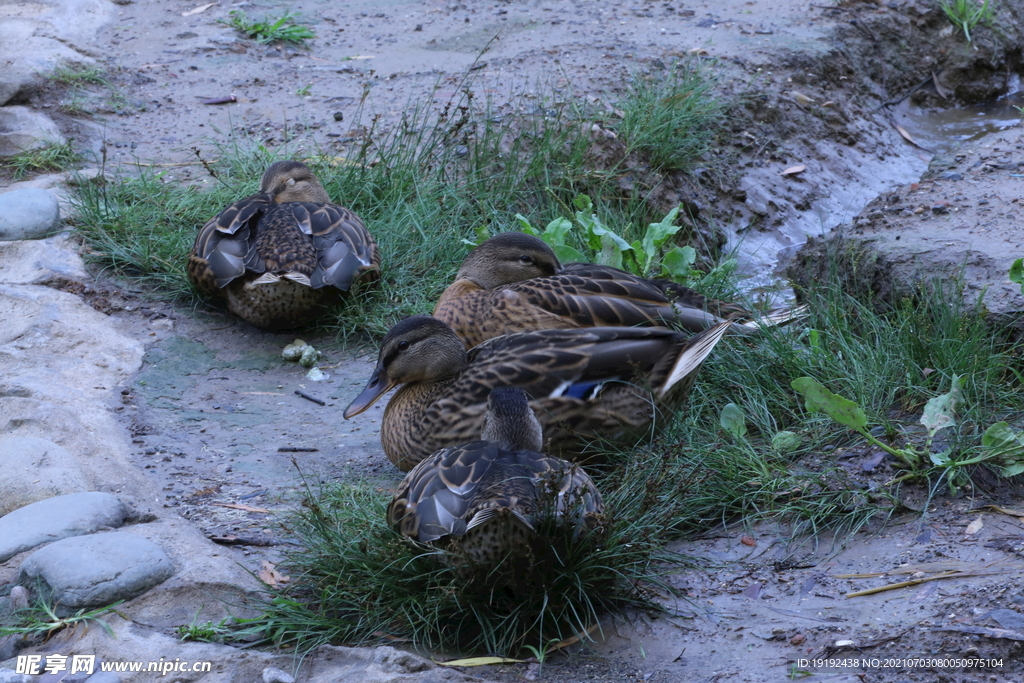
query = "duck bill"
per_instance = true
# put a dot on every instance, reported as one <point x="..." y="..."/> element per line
<point x="375" y="388"/>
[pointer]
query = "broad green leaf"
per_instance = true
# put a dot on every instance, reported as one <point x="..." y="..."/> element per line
<point x="611" y="254"/>
<point x="999" y="436"/>
<point x="567" y="254"/>
<point x="818" y="398"/>
<point x="941" y="459"/>
<point x="676" y="263"/>
<point x="784" y="442"/>
<point x="640" y="258"/>
<point x="583" y="203"/>
<point x="940" y="411"/>
<point x="524" y="225"/>
<point x="1011" y="471"/>
<point x="658" y="233"/>
<point x="733" y="420"/>
<point x="556" y="231"/>
<point x="1017" y="273"/>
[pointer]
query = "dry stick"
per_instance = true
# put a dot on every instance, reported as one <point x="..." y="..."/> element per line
<point x="914" y="582"/>
<point x="297" y="449"/>
<point x="310" y="398"/>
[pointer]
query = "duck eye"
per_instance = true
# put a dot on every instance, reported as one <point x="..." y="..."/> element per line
<point x="525" y="259"/>
<point x="403" y="345"/>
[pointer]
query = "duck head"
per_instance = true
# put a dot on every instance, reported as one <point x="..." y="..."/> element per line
<point x="509" y="257"/>
<point x="510" y="422"/>
<point x="418" y="349"/>
<point x="293" y="181"/>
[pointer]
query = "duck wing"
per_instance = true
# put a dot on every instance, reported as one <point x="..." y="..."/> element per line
<point x="346" y="252"/>
<point x="225" y="247"/>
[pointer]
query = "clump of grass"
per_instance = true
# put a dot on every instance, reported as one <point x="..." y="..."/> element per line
<point x="43" y="618"/>
<point x="420" y="186"/>
<point x="79" y="75"/>
<point x="967" y="14"/>
<point x="281" y="30"/>
<point x="671" y="117"/>
<point x="54" y="156"/>
<point x="356" y="580"/>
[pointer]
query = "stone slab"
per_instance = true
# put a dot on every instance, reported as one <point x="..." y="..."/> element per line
<point x="59" y="517"/>
<point x="96" y="570"/>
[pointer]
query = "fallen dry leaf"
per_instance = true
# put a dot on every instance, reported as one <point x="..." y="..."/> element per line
<point x="793" y="170"/>
<point x="480" y="661"/>
<point x="198" y="10"/>
<point x="1003" y="510"/>
<point x="269" y="575"/>
<point x="974" y="527"/>
<point x="748" y="540"/>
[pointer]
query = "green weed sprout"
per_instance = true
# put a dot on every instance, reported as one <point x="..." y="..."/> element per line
<point x="270" y="31"/>
<point x="966" y="14"/>
<point x="1017" y="269"/>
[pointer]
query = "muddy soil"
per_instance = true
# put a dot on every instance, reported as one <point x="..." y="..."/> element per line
<point x="215" y="415"/>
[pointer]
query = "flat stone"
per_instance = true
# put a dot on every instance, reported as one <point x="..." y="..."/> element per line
<point x="103" y="677"/>
<point x="50" y="261"/>
<point x="23" y="129"/>
<point x="96" y="570"/>
<point x="11" y="676"/>
<point x="34" y="468"/>
<point x="55" y="518"/>
<point x="28" y="214"/>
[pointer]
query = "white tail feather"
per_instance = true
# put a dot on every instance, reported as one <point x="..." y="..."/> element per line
<point x="690" y="359"/>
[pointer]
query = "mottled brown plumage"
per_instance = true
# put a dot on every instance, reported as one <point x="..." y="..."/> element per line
<point x="481" y="500"/>
<point x="513" y="282"/>
<point x="586" y="384"/>
<point x="279" y="256"/>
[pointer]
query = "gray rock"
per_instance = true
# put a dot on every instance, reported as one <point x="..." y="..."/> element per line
<point x="18" y="598"/>
<point x="23" y="129"/>
<point x="9" y="646"/>
<point x="274" y="675"/>
<point x="50" y="261"/>
<point x="34" y="468"/>
<point x="55" y="518"/>
<point x="11" y="676"/>
<point x="1008" y="618"/>
<point x="90" y="571"/>
<point x="28" y="214"/>
<point x="104" y="677"/>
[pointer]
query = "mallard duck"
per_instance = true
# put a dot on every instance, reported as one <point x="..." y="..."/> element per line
<point x="281" y="254"/>
<point x="601" y="382"/>
<point x="481" y="500"/>
<point x="513" y="282"/>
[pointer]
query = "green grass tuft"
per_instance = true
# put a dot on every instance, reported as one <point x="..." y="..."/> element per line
<point x="420" y="186"/>
<point x="671" y="118"/>
<point x="54" y="156"/>
<point x="357" y="580"/>
<point x="79" y="75"/>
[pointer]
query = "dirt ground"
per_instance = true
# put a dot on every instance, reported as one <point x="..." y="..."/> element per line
<point x="215" y="415"/>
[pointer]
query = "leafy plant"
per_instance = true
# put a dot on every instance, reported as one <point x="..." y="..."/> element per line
<point x="282" y="30"/>
<point x="999" y="443"/>
<point x="966" y="14"/>
<point x="1017" y="269"/>
<point x="648" y="257"/>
